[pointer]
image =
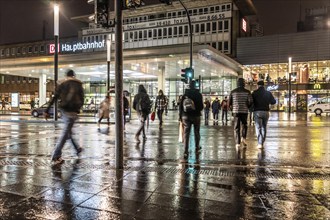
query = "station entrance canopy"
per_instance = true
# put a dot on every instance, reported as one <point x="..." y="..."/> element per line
<point x="139" y="64"/>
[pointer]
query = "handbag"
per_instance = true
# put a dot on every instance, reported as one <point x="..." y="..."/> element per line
<point x="152" y="116"/>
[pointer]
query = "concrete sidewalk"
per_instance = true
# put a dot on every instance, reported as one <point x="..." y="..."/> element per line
<point x="290" y="179"/>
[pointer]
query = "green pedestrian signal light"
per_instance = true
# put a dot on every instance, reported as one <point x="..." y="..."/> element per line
<point x="187" y="75"/>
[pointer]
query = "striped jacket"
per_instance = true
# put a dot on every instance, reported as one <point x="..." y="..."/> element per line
<point x="240" y="100"/>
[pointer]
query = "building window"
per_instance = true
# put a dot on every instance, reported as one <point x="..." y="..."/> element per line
<point x="197" y="28"/>
<point x="126" y="37"/>
<point x="203" y="28"/>
<point x="135" y="36"/>
<point x="175" y="31"/>
<point x="226" y="25"/>
<point x="165" y="32"/>
<point x="180" y="31"/>
<point x="220" y="26"/>
<point x="179" y="13"/>
<point x="208" y="27"/>
<point x="195" y="11"/>
<point x="220" y="46"/>
<point x="145" y="35"/>
<point x="7" y="52"/>
<point x="228" y="7"/>
<point x="186" y="30"/>
<point x="160" y="36"/>
<point x="13" y="51"/>
<point x="170" y="31"/>
<point x="190" y="12"/>
<point x="2" y="52"/>
<point x="149" y="34"/>
<point x="214" y="27"/>
<point x="223" y="8"/>
<point x="96" y="38"/>
<point x="206" y="10"/>
<point x="200" y="11"/>
<point x="212" y="9"/>
<point x="140" y="35"/>
<point x="225" y="46"/>
<point x="214" y="45"/>
<point x="42" y="48"/>
<point x="19" y="50"/>
<point x="217" y="8"/>
<point x="169" y="15"/>
<point x="155" y="34"/>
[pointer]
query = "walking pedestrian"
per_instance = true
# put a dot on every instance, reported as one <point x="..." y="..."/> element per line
<point x="142" y="105"/>
<point x="3" y="105"/>
<point x="215" y="110"/>
<point x="190" y="114"/>
<point x="207" y="106"/>
<point x="160" y="106"/>
<point x="104" y="111"/>
<point x="32" y="103"/>
<point x="261" y="101"/>
<point x="240" y="100"/>
<point x="224" y="107"/>
<point x="71" y="95"/>
<point x="126" y="108"/>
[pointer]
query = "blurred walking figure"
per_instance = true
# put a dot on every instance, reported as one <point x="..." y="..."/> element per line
<point x="160" y="106"/>
<point x="71" y="95"/>
<point x="207" y="106"/>
<point x="190" y="114"/>
<point x="126" y="108"/>
<point x="224" y="107"/>
<point x="261" y="101"/>
<point x="240" y="100"/>
<point x="215" y="110"/>
<point x="104" y="111"/>
<point x="3" y="105"/>
<point x="142" y="105"/>
<point x="32" y="103"/>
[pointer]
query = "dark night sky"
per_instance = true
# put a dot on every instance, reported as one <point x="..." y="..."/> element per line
<point x="22" y="20"/>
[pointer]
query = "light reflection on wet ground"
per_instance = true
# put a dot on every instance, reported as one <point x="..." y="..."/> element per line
<point x="290" y="179"/>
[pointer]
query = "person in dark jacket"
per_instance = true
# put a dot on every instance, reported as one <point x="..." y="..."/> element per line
<point x="142" y="96"/>
<point x="261" y="101"/>
<point x="207" y="106"/>
<point x="215" y="110"/>
<point x="240" y="100"/>
<point x="224" y="107"/>
<point x="192" y="117"/>
<point x="70" y="93"/>
<point x="160" y="106"/>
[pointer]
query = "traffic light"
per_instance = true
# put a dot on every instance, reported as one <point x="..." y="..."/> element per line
<point x="197" y="84"/>
<point x="187" y="75"/>
<point x="168" y="2"/>
<point x="102" y="12"/>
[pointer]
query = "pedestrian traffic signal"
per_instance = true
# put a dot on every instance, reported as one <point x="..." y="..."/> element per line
<point x="187" y="75"/>
<point x="168" y="2"/>
<point x="102" y="12"/>
<point x="197" y="84"/>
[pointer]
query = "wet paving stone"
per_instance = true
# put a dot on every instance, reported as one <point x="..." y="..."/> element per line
<point x="289" y="179"/>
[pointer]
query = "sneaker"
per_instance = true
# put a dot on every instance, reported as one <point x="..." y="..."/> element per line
<point x="260" y="146"/>
<point x="244" y="142"/>
<point x="57" y="161"/>
<point x="137" y="138"/>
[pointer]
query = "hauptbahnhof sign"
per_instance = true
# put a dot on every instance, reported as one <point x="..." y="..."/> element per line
<point x="77" y="46"/>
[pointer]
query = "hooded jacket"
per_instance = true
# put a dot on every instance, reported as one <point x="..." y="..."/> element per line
<point x="196" y="96"/>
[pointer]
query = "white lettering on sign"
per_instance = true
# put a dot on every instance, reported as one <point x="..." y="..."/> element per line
<point x="273" y="87"/>
<point x="78" y="46"/>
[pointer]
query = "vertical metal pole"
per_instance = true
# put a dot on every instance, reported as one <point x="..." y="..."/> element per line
<point x="290" y="65"/>
<point x="289" y="93"/>
<point x="191" y="36"/>
<point x="119" y="86"/>
<point x="56" y="36"/>
<point x="108" y="63"/>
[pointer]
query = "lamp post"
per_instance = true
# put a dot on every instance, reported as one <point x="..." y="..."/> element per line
<point x="290" y="64"/>
<point x="108" y="62"/>
<point x="56" y="31"/>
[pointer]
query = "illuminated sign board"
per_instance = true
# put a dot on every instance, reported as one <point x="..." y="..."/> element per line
<point x="317" y="86"/>
<point x="77" y="46"/>
<point x="14" y="100"/>
<point x="244" y="25"/>
<point x="272" y="87"/>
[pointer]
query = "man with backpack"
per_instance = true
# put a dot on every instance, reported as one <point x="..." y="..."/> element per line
<point x="142" y="105"/>
<point x="190" y="114"/>
<point x="70" y="94"/>
<point x="224" y="107"/>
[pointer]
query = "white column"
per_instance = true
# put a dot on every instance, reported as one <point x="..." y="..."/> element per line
<point x="42" y="88"/>
<point x="161" y="79"/>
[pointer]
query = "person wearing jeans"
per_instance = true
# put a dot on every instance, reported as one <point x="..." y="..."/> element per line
<point x="261" y="101"/>
<point x="240" y="100"/>
<point x="69" y="119"/>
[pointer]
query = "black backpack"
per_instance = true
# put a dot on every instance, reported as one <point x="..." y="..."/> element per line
<point x="144" y="105"/>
